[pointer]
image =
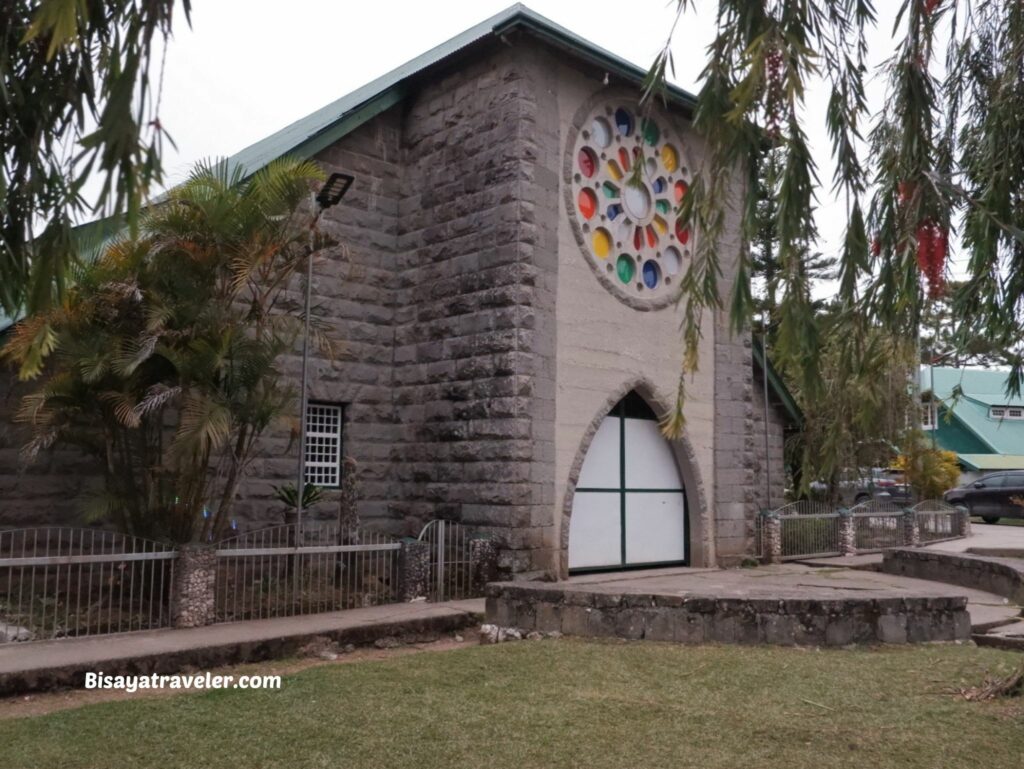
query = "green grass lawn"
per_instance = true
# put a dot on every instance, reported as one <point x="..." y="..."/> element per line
<point x="563" y="704"/>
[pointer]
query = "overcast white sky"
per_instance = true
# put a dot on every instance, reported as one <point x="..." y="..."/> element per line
<point x="247" y="68"/>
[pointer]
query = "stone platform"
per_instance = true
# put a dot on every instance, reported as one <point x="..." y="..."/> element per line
<point x="781" y="604"/>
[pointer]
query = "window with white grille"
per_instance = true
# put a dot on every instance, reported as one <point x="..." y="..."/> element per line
<point x="1006" y="412"/>
<point x="323" y="444"/>
<point x="929" y="416"/>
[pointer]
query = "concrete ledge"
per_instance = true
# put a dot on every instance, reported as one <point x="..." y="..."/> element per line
<point x="997" y="552"/>
<point x="64" y="663"/>
<point x="1002" y="576"/>
<point x="689" y="618"/>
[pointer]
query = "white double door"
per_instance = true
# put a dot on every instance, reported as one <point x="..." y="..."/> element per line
<point x="629" y="507"/>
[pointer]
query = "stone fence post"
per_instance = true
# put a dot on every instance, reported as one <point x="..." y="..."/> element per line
<point x="847" y="532"/>
<point x="413" y="570"/>
<point x="911" y="528"/>
<point x="194" y="588"/>
<point x="771" y="537"/>
<point x="963" y="521"/>
<point x="483" y="563"/>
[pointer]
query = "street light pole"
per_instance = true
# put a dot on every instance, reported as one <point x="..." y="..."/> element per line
<point x="330" y="194"/>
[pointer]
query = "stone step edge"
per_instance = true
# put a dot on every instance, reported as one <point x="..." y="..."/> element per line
<point x="232" y="653"/>
<point x="998" y="642"/>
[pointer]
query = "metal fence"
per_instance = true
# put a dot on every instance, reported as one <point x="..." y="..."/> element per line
<point x="61" y="582"/>
<point x="451" y="562"/>
<point x="937" y="520"/>
<point x="284" y="571"/>
<point x="806" y="507"/>
<point x="809" y="535"/>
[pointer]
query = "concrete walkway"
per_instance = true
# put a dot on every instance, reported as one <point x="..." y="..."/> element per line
<point x="46" y="664"/>
<point x="985" y="536"/>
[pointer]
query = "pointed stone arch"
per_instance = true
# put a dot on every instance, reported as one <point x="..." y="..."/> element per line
<point x="699" y="512"/>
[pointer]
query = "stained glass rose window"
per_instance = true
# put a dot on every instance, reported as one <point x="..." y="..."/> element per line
<point x="628" y="178"/>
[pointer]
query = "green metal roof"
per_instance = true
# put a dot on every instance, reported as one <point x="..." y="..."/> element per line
<point x="778" y="386"/>
<point x="986" y="462"/>
<point x="967" y="394"/>
<point x="320" y="129"/>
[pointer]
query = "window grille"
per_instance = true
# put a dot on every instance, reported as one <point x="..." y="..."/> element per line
<point x="1006" y="412"/>
<point x="928" y="416"/>
<point x="323" y="444"/>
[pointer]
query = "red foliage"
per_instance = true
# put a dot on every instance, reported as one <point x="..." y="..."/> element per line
<point x="876" y="246"/>
<point x="932" y="244"/>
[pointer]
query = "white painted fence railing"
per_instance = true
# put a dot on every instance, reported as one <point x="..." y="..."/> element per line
<point x="281" y="571"/>
<point x="792" y="533"/>
<point x="68" y="582"/>
<point x="62" y="582"/>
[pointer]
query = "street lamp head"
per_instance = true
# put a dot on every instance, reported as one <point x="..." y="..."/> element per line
<point x="334" y="190"/>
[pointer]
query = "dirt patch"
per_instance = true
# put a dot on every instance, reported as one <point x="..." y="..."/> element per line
<point x="314" y="655"/>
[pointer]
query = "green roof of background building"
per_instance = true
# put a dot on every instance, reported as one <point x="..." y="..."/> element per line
<point x="969" y="394"/>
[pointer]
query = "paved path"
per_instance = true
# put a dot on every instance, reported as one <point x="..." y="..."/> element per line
<point x="985" y="535"/>
<point x="93" y="653"/>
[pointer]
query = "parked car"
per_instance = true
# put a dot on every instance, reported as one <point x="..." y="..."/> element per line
<point x="880" y="483"/>
<point x="991" y="496"/>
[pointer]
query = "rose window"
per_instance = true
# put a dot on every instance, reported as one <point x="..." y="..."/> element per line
<point x="629" y="177"/>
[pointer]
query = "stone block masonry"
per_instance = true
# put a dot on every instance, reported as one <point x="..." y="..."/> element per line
<point x="694" y="619"/>
<point x="195" y="577"/>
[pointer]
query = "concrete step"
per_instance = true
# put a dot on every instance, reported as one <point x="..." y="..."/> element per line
<point x="53" y="664"/>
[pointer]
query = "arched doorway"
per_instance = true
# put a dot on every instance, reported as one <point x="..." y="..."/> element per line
<point x="629" y="505"/>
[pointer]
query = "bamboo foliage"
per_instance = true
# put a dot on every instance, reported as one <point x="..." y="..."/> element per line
<point x="163" y="360"/>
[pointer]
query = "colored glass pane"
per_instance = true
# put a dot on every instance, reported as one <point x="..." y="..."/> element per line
<point x="663" y="206"/>
<point x="669" y="158"/>
<point x="601" y="132"/>
<point x="651" y="274"/>
<point x="587" y="203"/>
<point x="624" y="159"/>
<point x="680" y="189"/>
<point x="625" y="268"/>
<point x="638" y="239"/>
<point x="672" y="261"/>
<point x="587" y="162"/>
<point x="651" y="132"/>
<point x="637" y="201"/>
<point x="602" y="243"/>
<point x="682" y="233"/>
<point x="624" y="121"/>
<point x="610" y="190"/>
<point x="614" y="210"/>
<point x="652" y="237"/>
<point x="614" y="170"/>
<point x="659" y="185"/>
<point x="661" y="225"/>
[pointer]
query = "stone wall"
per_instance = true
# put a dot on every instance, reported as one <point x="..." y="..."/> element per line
<point x="713" y="619"/>
<point x="53" y="489"/>
<point x="1002" y="576"/>
<point x="472" y="372"/>
<point x="773" y="456"/>
<point x="354" y="302"/>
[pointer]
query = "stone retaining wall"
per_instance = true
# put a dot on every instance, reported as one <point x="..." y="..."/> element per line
<point x="1002" y="576"/>
<point x="707" y="619"/>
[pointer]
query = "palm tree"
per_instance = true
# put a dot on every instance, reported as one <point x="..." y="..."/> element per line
<point x="163" y="359"/>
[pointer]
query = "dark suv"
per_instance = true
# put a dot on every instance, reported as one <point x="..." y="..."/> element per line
<point x="991" y="496"/>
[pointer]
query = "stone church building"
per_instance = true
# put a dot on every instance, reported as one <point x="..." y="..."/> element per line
<point x="506" y="309"/>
